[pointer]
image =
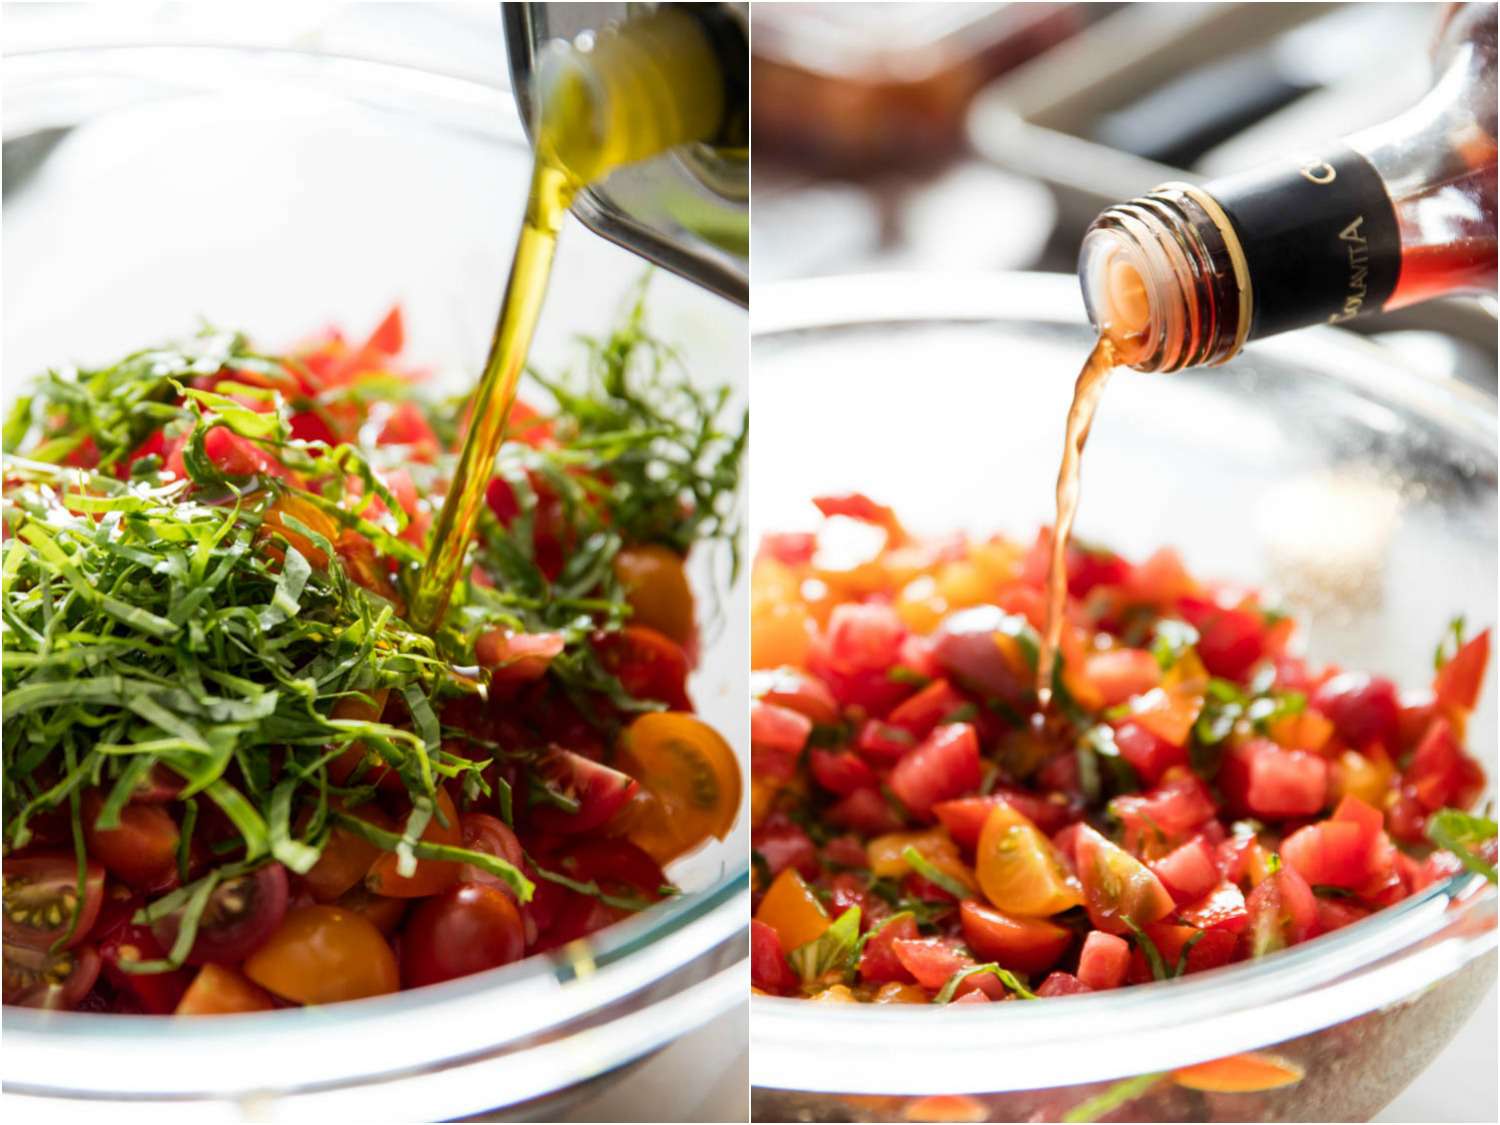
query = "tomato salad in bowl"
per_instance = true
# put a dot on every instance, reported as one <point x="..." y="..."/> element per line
<point x="1195" y="795"/>
<point x="237" y="779"/>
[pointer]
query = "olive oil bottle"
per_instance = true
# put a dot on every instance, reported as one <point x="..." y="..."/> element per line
<point x="619" y="96"/>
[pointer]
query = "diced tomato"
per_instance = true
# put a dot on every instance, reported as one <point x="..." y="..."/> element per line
<point x="1222" y="908"/>
<point x="1283" y="911"/>
<point x="1062" y="984"/>
<point x="840" y="771"/>
<point x="407" y="425"/>
<point x="647" y="664"/>
<point x="1175" y="808"/>
<point x="778" y="728"/>
<point x="933" y="961"/>
<point x="1230" y="641"/>
<point x="1119" y="673"/>
<point x="864" y="637"/>
<point x="783" y="844"/>
<point x="1104" y="960"/>
<point x="945" y="765"/>
<point x="1262" y="779"/>
<point x="967" y="649"/>
<point x="796" y="691"/>
<point x="1148" y="754"/>
<point x="1441" y="774"/>
<point x="882" y="741"/>
<point x="769" y="971"/>
<point x="878" y="962"/>
<point x="1089" y="569"/>
<point x="1209" y="951"/>
<point x="1189" y="871"/>
<point x="925" y="710"/>
<point x="1334" y="853"/>
<point x="1025" y="945"/>
<point x="864" y="810"/>
<point x="1335" y="914"/>
<point x="794" y="548"/>
<point x="1364" y="709"/>
<point x="1119" y="890"/>
<point x="1457" y="682"/>
<point x="964" y="817"/>
<point x="155" y="993"/>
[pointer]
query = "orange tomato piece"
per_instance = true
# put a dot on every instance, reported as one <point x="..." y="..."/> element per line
<point x="347" y="858"/>
<point x="1018" y="868"/>
<point x="431" y="875"/>
<point x="310" y="516"/>
<point x="324" y="954"/>
<point x="656" y="587"/>
<point x="1249" y="1073"/>
<point x="793" y="911"/>
<point x="887" y="857"/>
<point x="218" y="990"/>
<point x="1169" y="715"/>
<point x="691" y="778"/>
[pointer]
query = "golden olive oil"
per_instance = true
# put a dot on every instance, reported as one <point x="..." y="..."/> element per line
<point x="630" y="93"/>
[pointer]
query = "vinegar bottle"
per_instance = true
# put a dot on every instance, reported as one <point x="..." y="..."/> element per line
<point x="1381" y="219"/>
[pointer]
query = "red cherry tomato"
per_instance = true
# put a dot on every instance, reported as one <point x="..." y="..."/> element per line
<point x="37" y="978"/>
<point x="153" y="993"/>
<point x="647" y="664"/>
<point x="598" y="791"/>
<point x="241" y="913"/>
<point x="141" y="850"/>
<point x="488" y="834"/>
<point x="41" y="899"/>
<point x="466" y="929"/>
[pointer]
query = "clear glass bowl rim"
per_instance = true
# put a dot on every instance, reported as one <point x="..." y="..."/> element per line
<point x="1383" y="960"/>
<point x="660" y="974"/>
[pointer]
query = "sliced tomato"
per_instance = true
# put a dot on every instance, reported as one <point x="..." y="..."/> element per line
<point x="42" y="900"/>
<point x="1026" y="945"/>
<point x="878" y="963"/>
<point x="1176" y="808"/>
<point x="691" y="779"/>
<point x="918" y="714"/>
<point x="1188" y="871"/>
<point x="615" y="867"/>
<point x="517" y="658"/>
<point x="346" y="857"/>
<point x="1120" y="891"/>
<point x="1441" y="774"/>
<point x="792" y="909"/>
<point x="882" y="741"/>
<point x="1260" y="778"/>
<point x="864" y="810"/>
<point x="141" y="850"/>
<point x="647" y="664"/>
<point x="1210" y="949"/>
<point x="597" y="791"/>
<point x="964" y="817"/>
<point x="1062" y="984"/>
<point x="430" y="875"/>
<point x="840" y="771"/>
<point x="1334" y="853"/>
<point x="783" y="844"/>
<point x="242" y="912"/>
<point x="39" y="978"/>
<point x="218" y="990"/>
<point x="1222" y="908"/>
<point x="932" y="961"/>
<point x="468" y="928"/>
<point x="1148" y="753"/>
<point x="782" y="729"/>
<point x="1120" y="673"/>
<point x="1230" y="641"/>
<point x="967" y="647"/>
<point x="1019" y="870"/>
<point x="943" y="766"/>
<point x="656" y="587"/>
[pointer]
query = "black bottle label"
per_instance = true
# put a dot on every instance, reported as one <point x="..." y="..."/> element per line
<point x="1319" y="237"/>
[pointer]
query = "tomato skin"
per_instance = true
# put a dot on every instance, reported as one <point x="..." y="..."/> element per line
<point x="141" y="851"/>
<point x="1458" y="681"/>
<point x="1026" y="945"/>
<point x="967" y="650"/>
<point x="1441" y="773"/>
<point x="1222" y="908"/>
<point x="795" y="690"/>
<point x="431" y="875"/>
<point x="864" y="810"/>
<point x="41" y="896"/>
<point x="690" y="777"/>
<point x="1260" y="778"/>
<point x="933" y="960"/>
<point x="944" y="765"/>
<point x="1333" y="853"/>
<point x="324" y="954"/>
<point x="1189" y="871"/>
<point x="516" y="658"/>
<point x="1120" y="673"/>
<point x="878" y="963"/>
<point x="657" y="589"/>
<point x="769" y="971"/>
<point x="1062" y="984"/>
<point x="599" y="790"/>
<point x="466" y="929"/>
<point x="793" y="911"/>
<point x="1121" y="892"/>
<point x="484" y="833"/>
<point x="37" y="978"/>
<point x="241" y="914"/>
<point x="347" y="857"/>
<point x="1282" y="910"/>
<point x="218" y="990"/>
<point x="1180" y="805"/>
<point x="1364" y="709"/>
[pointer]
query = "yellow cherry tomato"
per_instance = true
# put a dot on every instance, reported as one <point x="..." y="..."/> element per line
<point x="1019" y="870"/>
<point x="691" y="778"/>
<point x="656" y="587"/>
<point x="324" y="954"/>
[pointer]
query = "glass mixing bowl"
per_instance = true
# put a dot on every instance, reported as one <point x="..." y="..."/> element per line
<point x="945" y="397"/>
<point x="274" y="192"/>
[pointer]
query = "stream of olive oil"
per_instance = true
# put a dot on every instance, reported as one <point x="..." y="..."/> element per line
<point x="631" y="93"/>
<point x="1086" y="394"/>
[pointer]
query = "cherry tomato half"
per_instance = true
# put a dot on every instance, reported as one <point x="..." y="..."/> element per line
<point x="141" y="850"/>
<point x="647" y="664"/>
<point x="41" y="898"/>
<point x="431" y="875"/>
<point x="691" y="778"/>
<point x="241" y="913"/>
<point x="466" y="929"/>
<point x="218" y="991"/>
<point x="324" y="954"/>
<point x="598" y="791"/>
<point x="656" y="587"/>
<point x="37" y="978"/>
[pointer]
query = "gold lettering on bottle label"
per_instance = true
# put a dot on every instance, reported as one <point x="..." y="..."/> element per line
<point x="1358" y="248"/>
<point x="1318" y="172"/>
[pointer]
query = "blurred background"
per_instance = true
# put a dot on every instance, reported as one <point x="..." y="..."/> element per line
<point x="985" y="136"/>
